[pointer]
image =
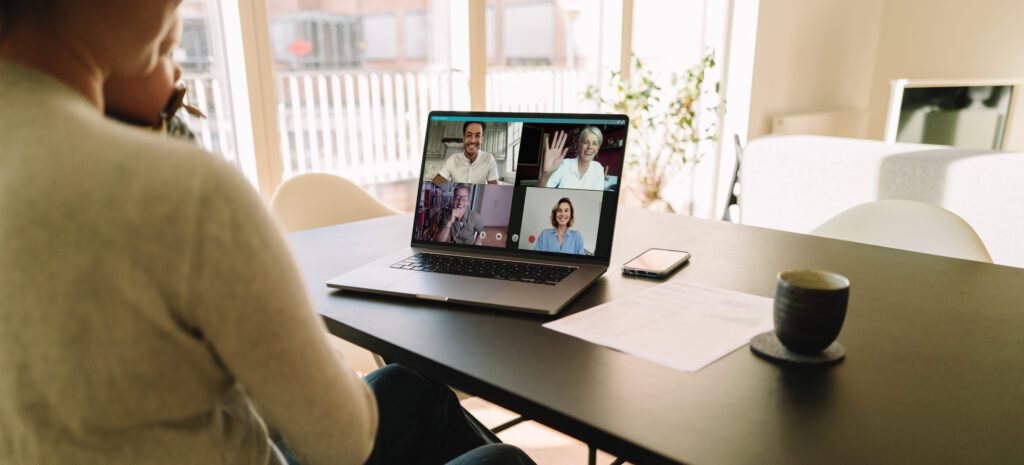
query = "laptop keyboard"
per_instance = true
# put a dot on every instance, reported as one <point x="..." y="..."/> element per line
<point x="484" y="268"/>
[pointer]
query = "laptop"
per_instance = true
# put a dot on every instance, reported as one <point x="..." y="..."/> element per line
<point x="492" y="227"/>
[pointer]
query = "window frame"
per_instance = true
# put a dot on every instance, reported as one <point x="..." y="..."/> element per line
<point x="254" y="99"/>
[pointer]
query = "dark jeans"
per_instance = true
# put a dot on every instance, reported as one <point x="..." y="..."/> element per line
<point x="422" y="423"/>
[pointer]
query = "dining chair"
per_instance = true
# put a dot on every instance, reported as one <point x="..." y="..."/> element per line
<point x="908" y="225"/>
<point x="314" y="200"/>
<point x="731" y="213"/>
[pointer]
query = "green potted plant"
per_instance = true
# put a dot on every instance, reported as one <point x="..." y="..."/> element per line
<point x="667" y="132"/>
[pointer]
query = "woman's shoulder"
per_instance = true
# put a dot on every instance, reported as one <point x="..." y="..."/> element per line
<point x="165" y="166"/>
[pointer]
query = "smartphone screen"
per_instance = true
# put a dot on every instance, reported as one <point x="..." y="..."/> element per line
<point x="656" y="260"/>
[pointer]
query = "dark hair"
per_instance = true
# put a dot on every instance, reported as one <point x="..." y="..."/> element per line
<point x="572" y="212"/>
<point x="483" y="127"/>
<point x="13" y="11"/>
<point x="8" y="10"/>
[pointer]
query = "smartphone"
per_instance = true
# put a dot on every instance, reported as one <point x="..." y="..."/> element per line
<point x="655" y="263"/>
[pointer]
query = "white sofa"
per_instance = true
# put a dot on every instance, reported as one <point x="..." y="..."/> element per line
<point x="796" y="183"/>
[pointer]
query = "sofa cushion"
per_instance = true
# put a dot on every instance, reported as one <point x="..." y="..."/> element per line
<point x="796" y="183"/>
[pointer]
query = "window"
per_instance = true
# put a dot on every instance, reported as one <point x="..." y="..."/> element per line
<point x="381" y="42"/>
<point x="543" y="54"/>
<point x="315" y="40"/>
<point x="528" y="34"/>
<point x="666" y="48"/>
<point x="416" y="34"/>
<point x="662" y="43"/>
<point x="349" y="83"/>
<point x="201" y="56"/>
<point x="355" y="81"/>
<point x="193" y="54"/>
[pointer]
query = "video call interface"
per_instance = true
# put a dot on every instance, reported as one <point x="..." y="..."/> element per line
<point x="528" y="184"/>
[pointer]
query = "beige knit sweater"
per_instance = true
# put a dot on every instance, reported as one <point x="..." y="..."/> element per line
<point x="142" y="287"/>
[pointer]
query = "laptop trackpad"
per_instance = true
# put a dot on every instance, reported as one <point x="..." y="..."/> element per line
<point x="450" y="286"/>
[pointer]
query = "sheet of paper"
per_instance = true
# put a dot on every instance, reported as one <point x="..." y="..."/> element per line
<point x="677" y="324"/>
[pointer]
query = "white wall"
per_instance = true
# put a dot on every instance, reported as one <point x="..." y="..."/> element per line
<point x="495" y="204"/>
<point x="948" y="39"/>
<point x="813" y="56"/>
<point x="834" y="55"/>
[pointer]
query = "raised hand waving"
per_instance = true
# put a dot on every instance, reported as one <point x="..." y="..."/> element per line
<point x="555" y="151"/>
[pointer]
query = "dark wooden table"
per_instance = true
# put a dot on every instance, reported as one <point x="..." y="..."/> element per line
<point x="934" y="370"/>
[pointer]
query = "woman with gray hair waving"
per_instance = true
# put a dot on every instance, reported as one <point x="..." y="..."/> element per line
<point x="582" y="172"/>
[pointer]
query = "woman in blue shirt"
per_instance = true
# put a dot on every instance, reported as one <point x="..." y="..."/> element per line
<point x="560" y="238"/>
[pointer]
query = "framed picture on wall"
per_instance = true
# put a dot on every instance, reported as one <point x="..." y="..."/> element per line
<point x="969" y="114"/>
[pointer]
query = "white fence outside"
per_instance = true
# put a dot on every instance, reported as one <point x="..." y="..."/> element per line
<point x="216" y="131"/>
<point x="539" y="90"/>
<point x="369" y="127"/>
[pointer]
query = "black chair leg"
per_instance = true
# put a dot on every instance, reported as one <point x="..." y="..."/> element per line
<point x="592" y="457"/>
<point x="508" y="424"/>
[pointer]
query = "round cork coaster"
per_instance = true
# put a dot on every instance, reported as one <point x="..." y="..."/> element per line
<point x="768" y="346"/>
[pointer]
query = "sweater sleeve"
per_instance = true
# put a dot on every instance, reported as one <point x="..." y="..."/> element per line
<point x="245" y="297"/>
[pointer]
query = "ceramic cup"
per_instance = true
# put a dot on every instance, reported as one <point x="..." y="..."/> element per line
<point x="810" y="306"/>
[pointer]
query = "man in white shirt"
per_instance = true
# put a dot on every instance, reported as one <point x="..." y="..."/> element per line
<point x="473" y="166"/>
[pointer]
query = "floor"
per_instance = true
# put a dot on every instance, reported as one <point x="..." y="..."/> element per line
<point x="544" y="445"/>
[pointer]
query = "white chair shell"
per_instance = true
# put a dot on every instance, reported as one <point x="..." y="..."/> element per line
<point x="907" y="225"/>
<point x="315" y="200"/>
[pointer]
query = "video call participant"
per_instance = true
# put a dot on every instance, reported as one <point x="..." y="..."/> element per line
<point x="473" y="166"/>
<point x="560" y="238"/>
<point x="582" y="172"/>
<point x="463" y="225"/>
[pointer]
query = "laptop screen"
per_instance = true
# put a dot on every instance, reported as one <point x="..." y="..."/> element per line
<point x="528" y="184"/>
